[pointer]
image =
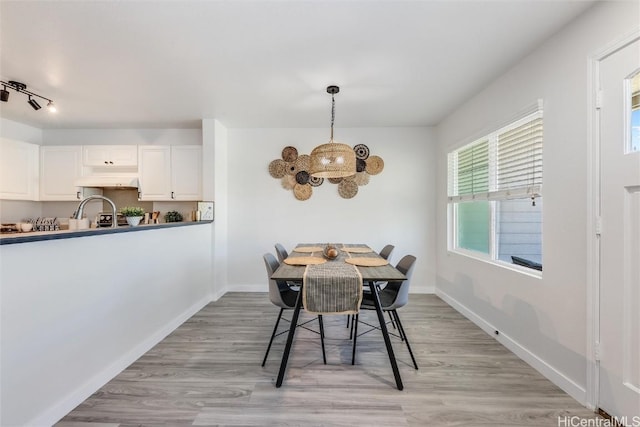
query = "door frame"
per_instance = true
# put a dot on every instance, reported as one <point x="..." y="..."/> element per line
<point x="593" y="215"/>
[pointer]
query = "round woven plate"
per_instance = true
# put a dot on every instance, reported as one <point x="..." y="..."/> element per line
<point x="357" y="250"/>
<point x="375" y="164"/>
<point x="335" y="180"/>
<point x="308" y="249"/>
<point x="366" y="262"/>
<point x="303" y="162"/>
<point x="362" y="178"/>
<point x="278" y="168"/>
<point x="361" y="165"/>
<point x="302" y="191"/>
<point x="347" y="189"/>
<point x="288" y="182"/>
<point x="289" y="154"/>
<point x="304" y="260"/>
<point x="362" y="151"/>
<point x="315" y="181"/>
<point x="302" y="177"/>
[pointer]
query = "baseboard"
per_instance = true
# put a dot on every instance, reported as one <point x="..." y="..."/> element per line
<point x="67" y="404"/>
<point x="558" y="378"/>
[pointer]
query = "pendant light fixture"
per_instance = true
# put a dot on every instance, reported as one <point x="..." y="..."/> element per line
<point x="333" y="159"/>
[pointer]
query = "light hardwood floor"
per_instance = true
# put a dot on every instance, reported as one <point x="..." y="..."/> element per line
<point x="208" y="373"/>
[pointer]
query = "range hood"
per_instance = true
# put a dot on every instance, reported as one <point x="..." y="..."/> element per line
<point x="108" y="181"/>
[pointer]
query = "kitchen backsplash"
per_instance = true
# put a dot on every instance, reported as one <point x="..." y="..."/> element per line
<point x="12" y="211"/>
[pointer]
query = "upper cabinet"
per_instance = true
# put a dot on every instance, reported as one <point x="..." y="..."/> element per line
<point x="60" y="167"/>
<point x="110" y="155"/>
<point x="170" y="172"/>
<point x="18" y="170"/>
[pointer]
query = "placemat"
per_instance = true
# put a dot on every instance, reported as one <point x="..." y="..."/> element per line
<point x="304" y="260"/>
<point x="358" y="250"/>
<point x="308" y="249"/>
<point x="367" y="262"/>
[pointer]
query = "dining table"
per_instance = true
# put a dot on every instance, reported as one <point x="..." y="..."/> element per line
<point x="371" y="267"/>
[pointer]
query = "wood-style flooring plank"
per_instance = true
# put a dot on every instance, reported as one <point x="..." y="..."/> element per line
<point x="208" y="373"/>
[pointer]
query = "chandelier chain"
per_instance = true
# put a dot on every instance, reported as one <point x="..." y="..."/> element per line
<point x="333" y="114"/>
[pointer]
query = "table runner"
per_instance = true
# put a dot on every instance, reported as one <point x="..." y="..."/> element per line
<point x="332" y="288"/>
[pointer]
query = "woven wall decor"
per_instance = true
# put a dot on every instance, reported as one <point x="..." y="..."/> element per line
<point x="292" y="169"/>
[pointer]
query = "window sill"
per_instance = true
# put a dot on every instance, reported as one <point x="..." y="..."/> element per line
<point x="501" y="264"/>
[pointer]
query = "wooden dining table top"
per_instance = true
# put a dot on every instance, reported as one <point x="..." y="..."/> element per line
<point x="385" y="273"/>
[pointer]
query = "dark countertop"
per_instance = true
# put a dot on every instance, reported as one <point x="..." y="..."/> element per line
<point x="39" y="236"/>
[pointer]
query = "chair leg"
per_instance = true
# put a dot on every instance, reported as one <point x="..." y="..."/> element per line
<point x="348" y="318"/>
<point x="393" y="323"/>
<point x="354" y="320"/>
<point x="275" y="328"/>
<point x="324" y="356"/>
<point x="406" y="340"/>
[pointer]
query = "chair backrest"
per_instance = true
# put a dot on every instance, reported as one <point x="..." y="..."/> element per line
<point x="401" y="288"/>
<point x="281" y="252"/>
<point x="272" y="264"/>
<point x="386" y="251"/>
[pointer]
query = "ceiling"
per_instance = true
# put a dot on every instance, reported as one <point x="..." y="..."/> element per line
<point x="164" y="64"/>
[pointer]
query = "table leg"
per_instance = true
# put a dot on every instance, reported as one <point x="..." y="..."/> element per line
<point x="385" y="335"/>
<point x="292" y="331"/>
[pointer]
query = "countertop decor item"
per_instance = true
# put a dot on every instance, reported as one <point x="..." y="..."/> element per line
<point x="330" y="252"/>
<point x="333" y="159"/>
<point x="173" y="216"/>
<point x="134" y="214"/>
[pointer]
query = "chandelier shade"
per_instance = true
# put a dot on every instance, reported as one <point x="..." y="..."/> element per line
<point x="333" y="159"/>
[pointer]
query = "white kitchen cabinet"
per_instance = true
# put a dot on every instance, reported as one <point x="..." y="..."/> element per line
<point x="170" y="172"/>
<point x="60" y="167"/>
<point x="18" y="170"/>
<point x="110" y="155"/>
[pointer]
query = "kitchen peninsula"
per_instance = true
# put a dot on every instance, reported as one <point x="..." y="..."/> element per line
<point x="38" y="236"/>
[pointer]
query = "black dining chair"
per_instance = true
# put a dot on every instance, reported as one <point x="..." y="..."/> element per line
<point x="394" y="296"/>
<point x="283" y="296"/>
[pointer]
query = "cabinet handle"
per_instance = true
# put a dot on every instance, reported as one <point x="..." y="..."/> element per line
<point x="139" y="195"/>
<point x="78" y="195"/>
<point x="173" y="196"/>
<point x="106" y="163"/>
<point x="110" y="162"/>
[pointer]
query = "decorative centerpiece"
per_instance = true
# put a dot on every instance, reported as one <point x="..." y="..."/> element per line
<point x="330" y="252"/>
<point x="173" y="216"/>
<point x="133" y="214"/>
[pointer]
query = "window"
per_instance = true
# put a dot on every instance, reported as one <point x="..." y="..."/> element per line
<point x="495" y="194"/>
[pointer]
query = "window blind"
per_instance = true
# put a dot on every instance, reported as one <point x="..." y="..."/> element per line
<point x="507" y="164"/>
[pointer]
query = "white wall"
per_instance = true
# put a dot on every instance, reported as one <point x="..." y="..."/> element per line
<point x="122" y="137"/>
<point x="545" y="320"/>
<point x="397" y="206"/>
<point x="76" y="312"/>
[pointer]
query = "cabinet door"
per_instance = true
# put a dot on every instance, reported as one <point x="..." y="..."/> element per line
<point x="96" y="155"/>
<point x="18" y="170"/>
<point x="60" y="166"/>
<point x="110" y="155"/>
<point x="124" y="155"/>
<point x="186" y="172"/>
<point x="155" y="172"/>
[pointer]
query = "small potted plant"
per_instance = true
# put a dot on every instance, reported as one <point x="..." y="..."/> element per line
<point x="133" y="214"/>
<point x="173" y="216"/>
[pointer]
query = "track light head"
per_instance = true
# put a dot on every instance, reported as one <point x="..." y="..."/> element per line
<point x="4" y="94"/>
<point x="52" y="107"/>
<point x="34" y="103"/>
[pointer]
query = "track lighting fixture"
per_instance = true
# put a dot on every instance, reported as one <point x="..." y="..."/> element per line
<point x="22" y="88"/>
<point x="34" y="103"/>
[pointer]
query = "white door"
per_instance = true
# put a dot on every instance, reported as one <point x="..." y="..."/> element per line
<point x="619" y="371"/>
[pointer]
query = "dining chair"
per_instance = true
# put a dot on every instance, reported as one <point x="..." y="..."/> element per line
<point x="394" y="296"/>
<point x="385" y="252"/>
<point x="281" y="252"/>
<point x="283" y="296"/>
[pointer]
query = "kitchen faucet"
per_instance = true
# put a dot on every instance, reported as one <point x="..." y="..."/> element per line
<point x="78" y="213"/>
